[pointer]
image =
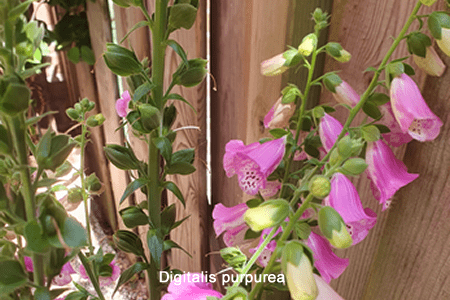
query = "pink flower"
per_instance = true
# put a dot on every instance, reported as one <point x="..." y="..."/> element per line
<point x="64" y="276"/>
<point x="346" y="94"/>
<point x="329" y="265"/>
<point x="329" y="130"/>
<point x="345" y="200"/>
<point x="279" y="115"/>
<point x="122" y="104"/>
<point x="325" y="291"/>
<point x="253" y="164"/>
<point x="28" y="263"/>
<point x="274" y="66"/>
<point x="411" y="111"/>
<point x="387" y="173"/>
<point x="190" y="286"/>
<point x="396" y="137"/>
<point x="230" y="220"/>
<point x="104" y="281"/>
<point x="263" y="259"/>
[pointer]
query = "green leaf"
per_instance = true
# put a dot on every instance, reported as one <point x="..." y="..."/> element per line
<point x="129" y="242"/>
<point x="132" y="187"/>
<point x="184" y="155"/>
<point x="136" y="26"/>
<point x="155" y="245"/>
<point x="12" y="277"/>
<point x="303" y="230"/>
<point x="180" y="98"/>
<point x="178" y="50"/>
<point x="76" y="296"/>
<point x="370" y="133"/>
<point x="250" y="234"/>
<point x="178" y="223"/>
<point x="408" y="69"/>
<point x="168" y="216"/>
<point x="74" y="55"/>
<point x="378" y="99"/>
<point x="73" y="233"/>
<point x="19" y="10"/>
<point x="34" y="120"/>
<point x="35" y="239"/>
<point x="175" y="190"/>
<point x="87" y="55"/>
<point x="42" y="293"/>
<point x="382" y="128"/>
<point x="182" y="15"/>
<point x="182" y="168"/>
<point x="143" y="90"/>
<point x="372" y="110"/>
<point x="278" y="132"/>
<point x="165" y="147"/>
<point x="129" y="273"/>
<point x="169" y="244"/>
<point x="133" y="216"/>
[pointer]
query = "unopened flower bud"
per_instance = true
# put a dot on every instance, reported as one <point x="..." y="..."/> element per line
<point x="333" y="228"/>
<point x="75" y="195"/>
<point x="267" y="214"/>
<point x="94" y="121"/>
<point x="439" y="26"/>
<point x="149" y="116"/>
<point x="319" y="186"/>
<point x="353" y="167"/>
<point x="431" y="63"/>
<point x="194" y="73"/>
<point x="309" y="43"/>
<point x="428" y="2"/>
<point x="338" y="53"/>
<point x="133" y="216"/>
<point x="234" y="257"/>
<point x="342" y="91"/>
<point x="73" y="114"/>
<point x="299" y="272"/>
<point x="279" y="115"/>
<point x="274" y="66"/>
<point x="93" y="184"/>
<point x="129" y="242"/>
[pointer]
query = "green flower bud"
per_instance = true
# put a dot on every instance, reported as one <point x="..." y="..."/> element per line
<point x="348" y="147"/>
<point x="75" y="195"/>
<point x="353" y="167"/>
<point x="267" y="214"/>
<point x="192" y="74"/>
<point x="334" y="157"/>
<point x="319" y="15"/>
<point x="331" y="81"/>
<point x="133" y="216"/>
<point x="234" y="257"/>
<point x="94" y="121"/>
<point x="121" y="157"/>
<point x="149" y="116"/>
<point x="93" y="185"/>
<point x="336" y="51"/>
<point x="121" y="61"/>
<point x="73" y="114"/>
<point x="319" y="186"/>
<point x="299" y="272"/>
<point x="309" y="43"/>
<point x="333" y="228"/>
<point x="129" y="242"/>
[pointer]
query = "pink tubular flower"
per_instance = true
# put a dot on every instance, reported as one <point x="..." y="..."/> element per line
<point x="329" y="265"/>
<point x="329" y="130"/>
<point x="64" y="276"/>
<point x="396" y="137"/>
<point x="263" y="259"/>
<point x="230" y="220"/>
<point x="253" y="164"/>
<point x="411" y="111"/>
<point x="104" y="281"/>
<point x="279" y="115"/>
<point x="387" y="173"/>
<point x="190" y="286"/>
<point x="344" y="199"/>
<point x="274" y="66"/>
<point x="325" y="291"/>
<point x="122" y="104"/>
<point x="28" y="263"/>
<point x="346" y="94"/>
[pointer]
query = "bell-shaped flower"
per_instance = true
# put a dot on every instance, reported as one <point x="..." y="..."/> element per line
<point x="122" y="104"/>
<point x="104" y="281"/>
<point x="279" y="115"/>
<point x="298" y="271"/>
<point x="387" y="173"/>
<point x="253" y="164"/>
<point x="345" y="200"/>
<point x="231" y="221"/>
<point x="334" y="228"/>
<point x="263" y="259"/>
<point x="65" y="276"/>
<point x="274" y="66"/>
<point x="342" y="91"/>
<point x="268" y="214"/>
<point x="192" y="286"/>
<point x="326" y="292"/>
<point x="431" y="63"/>
<point x="329" y="130"/>
<point x="444" y="42"/>
<point x="396" y="137"/>
<point x="329" y="265"/>
<point x="411" y="111"/>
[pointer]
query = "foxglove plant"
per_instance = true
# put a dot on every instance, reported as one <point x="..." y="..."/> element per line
<point x="330" y="152"/>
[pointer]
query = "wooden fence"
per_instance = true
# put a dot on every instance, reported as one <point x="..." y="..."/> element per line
<point x="407" y="254"/>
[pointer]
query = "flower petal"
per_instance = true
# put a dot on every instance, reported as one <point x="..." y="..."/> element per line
<point x="329" y="130"/>
<point x="226" y="218"/>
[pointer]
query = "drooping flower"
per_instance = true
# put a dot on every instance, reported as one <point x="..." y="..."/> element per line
<point x="333" y="227"/>
<point x="231" y="221"/>
<point x="104" y="281"/>
<point x="274" y="66"/>
<point x="192" y="286"/>
<point x="253" y="164"/>
<point x="345" y="200"/>
<point x="329" y="265"/>
<point x="396" y="137"/>
<point x="279" y="115"/>
<point x="122" y="104"/>
<point x="329" y="130"/>
<point x="387" y="173"/>
<point x="346" y="94"/>
<point x="64" y="276"/>
<point x="411" y="111"/>
<point x="432" y="64"/>
<point x="263" y="259"/>
<point x="28" y="263"/>
<point x="325" y="291"/>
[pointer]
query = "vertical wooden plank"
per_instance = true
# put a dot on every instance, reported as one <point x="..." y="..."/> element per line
<point x="192" y="234"/>
<point x="364" y="29"/>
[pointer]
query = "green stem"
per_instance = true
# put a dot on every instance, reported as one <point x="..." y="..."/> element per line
<point x="18" y="130"/>
<point x="87" y="266"/>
